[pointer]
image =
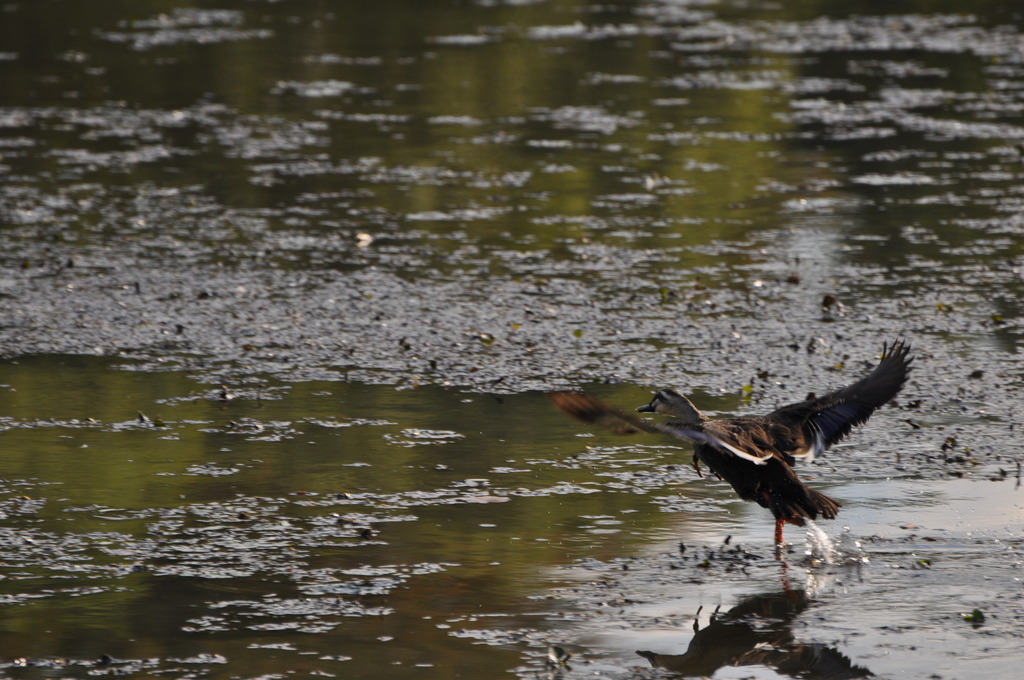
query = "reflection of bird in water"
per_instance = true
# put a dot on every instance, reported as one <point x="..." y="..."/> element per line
<point x="755" y="453"/>
<point x="756" y="632"/>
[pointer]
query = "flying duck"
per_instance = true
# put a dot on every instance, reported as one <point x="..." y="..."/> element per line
<point x="755" y="454"/>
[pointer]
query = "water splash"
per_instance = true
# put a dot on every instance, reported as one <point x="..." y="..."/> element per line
<point x="850" y="549"/>
<point x="832" y="562"/>
<point x="820" y="548"/>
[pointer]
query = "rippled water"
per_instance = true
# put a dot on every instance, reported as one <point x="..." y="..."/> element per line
<point x="281" y="285"/>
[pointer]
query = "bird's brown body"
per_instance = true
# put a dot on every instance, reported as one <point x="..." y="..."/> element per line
<point x="755" y="454"/>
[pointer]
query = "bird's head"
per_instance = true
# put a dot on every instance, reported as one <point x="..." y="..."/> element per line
<point x="670" y="403"/>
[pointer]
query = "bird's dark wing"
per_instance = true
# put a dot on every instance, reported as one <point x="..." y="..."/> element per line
<point x="827" y="419"/>
<point x="589" y="410"/>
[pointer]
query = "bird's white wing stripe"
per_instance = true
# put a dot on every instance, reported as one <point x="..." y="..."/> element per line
<point x="684" y="432"/>
<point x="756" y="460"/>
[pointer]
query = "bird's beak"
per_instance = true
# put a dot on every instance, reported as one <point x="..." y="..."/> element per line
<point x="646" y="408"/>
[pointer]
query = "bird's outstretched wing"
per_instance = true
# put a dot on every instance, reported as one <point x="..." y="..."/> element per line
<point x="589" y="410"/>
<point x="585" y="408"/>
<point x="827" y="419"/>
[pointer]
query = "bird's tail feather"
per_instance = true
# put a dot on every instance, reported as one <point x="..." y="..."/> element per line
<point x="815" y="505"/>
<point x="826" y="507"/>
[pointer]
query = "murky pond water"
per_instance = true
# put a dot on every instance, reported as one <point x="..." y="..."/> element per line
<point x="154" y="526"/>
<point x="282" y="284"/>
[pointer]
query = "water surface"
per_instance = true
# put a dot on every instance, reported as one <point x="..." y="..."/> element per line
<point x="282" y="284"/>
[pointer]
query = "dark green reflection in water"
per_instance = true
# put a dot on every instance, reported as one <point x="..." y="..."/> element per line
<point x="223" y="525"/>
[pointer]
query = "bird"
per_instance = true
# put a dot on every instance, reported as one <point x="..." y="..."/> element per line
<point x="756" y="454"/>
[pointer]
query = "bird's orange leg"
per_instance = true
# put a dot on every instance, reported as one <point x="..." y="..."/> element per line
<point x="778" y="532"/>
